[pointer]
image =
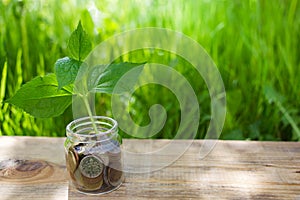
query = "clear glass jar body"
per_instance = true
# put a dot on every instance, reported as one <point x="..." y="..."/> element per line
<point x="93" y="155"/>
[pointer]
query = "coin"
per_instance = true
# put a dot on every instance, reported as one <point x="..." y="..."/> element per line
<point x="91" y="166"/>
<point x="114" y="159"/>
<point x="77" y="178"/>
<point x="92" y="183"/>
<point x="72" y="160"/>
<point x="105" y="176"/>
<point x="104" y="158"/>
<point x="114" y="176"/>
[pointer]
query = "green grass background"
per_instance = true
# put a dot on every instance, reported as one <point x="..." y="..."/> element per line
<point x="254" y="43"/>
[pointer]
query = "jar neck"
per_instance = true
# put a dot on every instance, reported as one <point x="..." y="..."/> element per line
<point x="97" y="128"/>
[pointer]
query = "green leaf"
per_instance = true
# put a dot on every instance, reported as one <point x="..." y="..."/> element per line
<point x="93" y="76"/>
<point x="66" y="70"/>
<point x="41" y="98"/>
<point x="115" y="74"/>
<point x="79" y="43"/>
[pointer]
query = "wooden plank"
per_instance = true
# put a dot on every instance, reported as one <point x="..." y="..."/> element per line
<point x="32" y="168"/>
<point x="232" y="170"/>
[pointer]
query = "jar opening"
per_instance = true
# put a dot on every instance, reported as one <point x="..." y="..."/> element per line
<point x="84" y="128"/>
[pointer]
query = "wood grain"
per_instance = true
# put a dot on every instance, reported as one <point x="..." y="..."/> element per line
<point x="34" y="168"/>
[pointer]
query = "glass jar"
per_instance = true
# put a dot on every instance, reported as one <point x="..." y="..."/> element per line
<point x="93" y="154"/>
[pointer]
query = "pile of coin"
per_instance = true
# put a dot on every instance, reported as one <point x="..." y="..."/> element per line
<point x="95" y="168"/>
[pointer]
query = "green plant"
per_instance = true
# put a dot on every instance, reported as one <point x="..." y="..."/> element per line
<point x="251" y="46"/>
<point x="50" y="95"/>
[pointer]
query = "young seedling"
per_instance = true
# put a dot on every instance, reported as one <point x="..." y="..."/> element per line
<point x="50" y="95"/>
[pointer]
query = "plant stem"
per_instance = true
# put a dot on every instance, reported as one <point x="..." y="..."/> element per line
<point x="86" y="103"/>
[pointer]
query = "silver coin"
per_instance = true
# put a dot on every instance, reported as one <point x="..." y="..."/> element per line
<point x="91" y="166"/>
<point x="105" y="176"/>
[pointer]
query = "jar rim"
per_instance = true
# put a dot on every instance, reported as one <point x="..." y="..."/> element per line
<point x="110" y="121"/>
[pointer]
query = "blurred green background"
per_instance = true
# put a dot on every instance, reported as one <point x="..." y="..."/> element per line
<point x="254" y="43"/>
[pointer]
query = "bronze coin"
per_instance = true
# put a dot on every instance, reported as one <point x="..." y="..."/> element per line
<point x="114" y="176"/>
<point x="87" y="184"/>
<point x="92" y="183"/>
<point x="91" y="166"/>
<point x="72" y="160"/>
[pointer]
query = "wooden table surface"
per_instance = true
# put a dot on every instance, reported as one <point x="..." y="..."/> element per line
<point x="34" y="168"/>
